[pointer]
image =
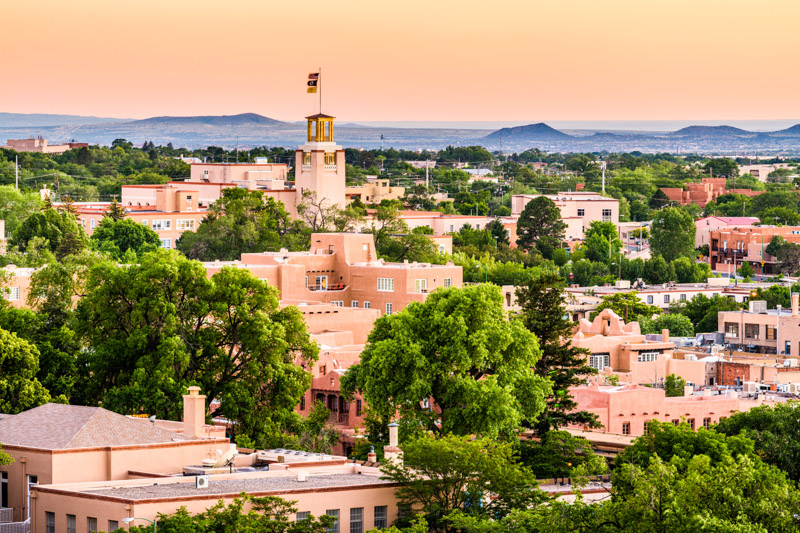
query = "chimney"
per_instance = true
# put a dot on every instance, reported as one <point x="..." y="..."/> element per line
<point x="795" y="301"/>
<point x="664" y="335"/>
<point x="372" y="457"/>
<point x="194" y="413"/>
<point x="392" y="451"/>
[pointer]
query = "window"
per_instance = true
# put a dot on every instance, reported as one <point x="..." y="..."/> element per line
<point x="32" y="482"/>
<point x="367" y="305"/>
<point x="731" y="329"/>
<point x="381" y="517"/>
<point x="306" y="282"/>
<point x="144" y="222"/>
<point x="335" y="514"/>
<point x="626" y="428"/>
<point x="751" y="331"/>
<point x="386" y="284"/>
<point x="302" y="515"/>
<point x="113" y="525"/>
<point x="647" y="427"/>
<point x="3" y="489"/>
<point x="354" y="303"/>
<point x="357" y="520"/>
<point x="11" y="293"/>
<point x="683" y="297"/>
<point x="447" y="282"/>
<point x="581" y="212"/>
<point x="302" y="403"/>
<point x="691" y="423"/>
<point x="205" y="173"/>
<point x="306" y="158"/>
<point x="185" y="224"/>
<point x="771" y="333"/>
<point x="321" y="282"/>
<point x="606" y="215"/>
<point x="451" y="228"/>
<point x="161" y="225"/>
<point x="650" y="298"/>
<point x="599" y="361"/>
<point x="389" y="308"/>
<point x="675" y="422"/>
<point x="330" y="158"/>
<point x="49" y="522"/>
<point x="647" y="357"/>
<point x="91" y="524"/>
<point x="666" y="298"/>
<point x="706" y="423"/>
<point x="420" y="285"/>
<point x="338" y="303"/>
<point x="166" y="243"/>
<point x="788" y="347"/>
<point x="91" y="223"/>
<point x="321" y="370"/>
<point x="71" y="524"/>
<point x="358" y="407"/>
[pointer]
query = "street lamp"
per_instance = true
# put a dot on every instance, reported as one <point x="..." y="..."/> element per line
<point x="132" y="518"/>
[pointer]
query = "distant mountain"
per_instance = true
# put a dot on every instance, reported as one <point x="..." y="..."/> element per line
<point x="531" y="132"/>
<point x="794" y="131"/>
<point x="39" y="120"/>
<point x="711" y="131"/>
<point x="244" y="119"/>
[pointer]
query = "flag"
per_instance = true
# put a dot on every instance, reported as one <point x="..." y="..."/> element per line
<point x="312" y="83"/>
<point x="311" y="90"/>
<point x="313" y="76"/>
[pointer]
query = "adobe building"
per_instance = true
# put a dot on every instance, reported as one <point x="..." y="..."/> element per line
<point x="39" y="144"/>
<point x="730" y="247"/>
<point x="56" y="443"/>
<point x="708" y="190"/>
<point x="620" y="349"/>
<point x="374" y="191"/>
<point x="704" y="227"/>
<point x="578" y="209"/>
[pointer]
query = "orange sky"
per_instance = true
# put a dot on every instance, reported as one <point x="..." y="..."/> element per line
<point x="409" y="60"/>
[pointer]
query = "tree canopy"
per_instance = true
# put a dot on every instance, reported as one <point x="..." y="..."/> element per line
<point x="672" y="234"/>
<point x="540" y="226"/>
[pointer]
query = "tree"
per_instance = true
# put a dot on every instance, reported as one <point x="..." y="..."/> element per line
<point x="659" y="200"/>
<point x="672" y="234"/>
<point x="779" y="216"/>
<point x="556" y="454"/>
<point x="658" y="271"/>
<point x="674" y="386"/>
<point x="479" y="478"/>
<point x="5" y="459"/>
<point x="601" y="242"/>
<point x="703" y="311"/>
<point x="628" y="306"/>
<point x="498" y="231"/>
<point x="157" y="327"/>
<point x="243" y="221"/>
<point x="775" y="245"/>
<point x="540" y="226"/>
<point x="543" y="312"/>
<point x="721" y="167"/>
<point x="60" y="229"/>
<point x="317" y="435"/>
<point x="788" y="258"/>
<point x="746" y="270"/>
<point x="16" y="206"/>
<point x="117" y="236"/>
<point x="267" y="513"/>
<point x="458" y="351"/>
<point x="115" y="211"/>
<point x="19" y="363"/>
<point x="773" y="430"/>
<point x="677" y="324"/>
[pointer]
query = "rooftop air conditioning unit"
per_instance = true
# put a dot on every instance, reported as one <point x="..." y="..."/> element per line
<point x="201" y="482"/>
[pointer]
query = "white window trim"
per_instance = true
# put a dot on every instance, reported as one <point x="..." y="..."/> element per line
<point x="385" y="284"/>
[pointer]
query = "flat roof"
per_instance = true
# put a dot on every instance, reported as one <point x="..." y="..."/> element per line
<point x="221" y="487"/>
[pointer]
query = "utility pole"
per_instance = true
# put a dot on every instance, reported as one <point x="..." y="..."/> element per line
<point x="426" y="173"/>
<point x="603" y="168"/>
<point x="16" y="171"/>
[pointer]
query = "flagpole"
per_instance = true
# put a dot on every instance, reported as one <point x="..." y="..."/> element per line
<point x="320" y="89"/>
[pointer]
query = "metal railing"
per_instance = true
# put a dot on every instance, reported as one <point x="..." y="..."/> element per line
<point x="16" y="527"/>
<point x="6" y="515"/>
<point x="328" y="287"/>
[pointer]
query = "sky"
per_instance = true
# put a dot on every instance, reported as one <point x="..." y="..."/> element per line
<point x="410" y="60"/>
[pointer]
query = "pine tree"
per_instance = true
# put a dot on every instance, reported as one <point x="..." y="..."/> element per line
<point x="543" y="313"/>
<point x="115" y="210"/>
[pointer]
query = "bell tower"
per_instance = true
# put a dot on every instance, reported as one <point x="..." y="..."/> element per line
<point x="319" y="165"/>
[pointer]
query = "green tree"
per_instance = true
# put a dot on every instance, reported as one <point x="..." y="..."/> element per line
<point x="115" y="211"/>
<point x="556" y="454"/>
<point x="746" y="270"/>
<point x="672" y="234"/>
<point x="16" y="206"/>
<point x="658" y="271"/>
<point x="317" y="434"/>
<point x="775" y="245"/>
<point x="677" y="324"/>
<point x="627" y="306"/>
<point x="773" y="430"/>
<point x="19" y="363"/>
<point x="540" y="226"/>
<point x="116" y="237"/>
<point x="703" y="311"/>
<point x="60" y="229"/>
<point x="779" y="216"/>
<point x="498" y="231"/>
<point x="674" y="385"/>
<point x="479" y="478"/>
<point x="788" y="258"/>
<point x="721" y="167"/>
<point x="458" y="350"/>
<point x="243" y="221"/>
<point x="602" y="242"/>
<point x="543" y="312"/>
<point x="157" y="327"/>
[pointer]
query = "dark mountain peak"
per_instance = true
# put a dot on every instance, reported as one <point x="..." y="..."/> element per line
<point x="243" y="119"/>
<point x="530" y="132"/>
<point x="710" y="131"/>
<point x="793" y="131"/>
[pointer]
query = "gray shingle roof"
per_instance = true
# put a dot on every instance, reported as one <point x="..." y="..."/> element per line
<point x="58" y="427"/>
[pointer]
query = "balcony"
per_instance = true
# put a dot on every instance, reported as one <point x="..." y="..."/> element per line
<point x="329" y="287"/>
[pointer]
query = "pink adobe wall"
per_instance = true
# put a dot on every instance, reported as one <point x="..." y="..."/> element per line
<point x="62" y="500"/>
<point x="19" y="278"/>
<point x="232" y="172"/>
